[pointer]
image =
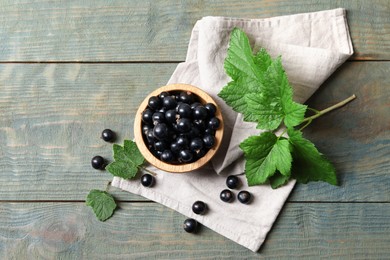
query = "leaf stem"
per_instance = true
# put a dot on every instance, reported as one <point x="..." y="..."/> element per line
<point x="142" y="168"/>
<point x="108" y="186"/>
<point x="322" y="112"/>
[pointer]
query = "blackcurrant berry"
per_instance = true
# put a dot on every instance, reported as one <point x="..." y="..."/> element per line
<point x="169" y="102"/>
<point x="170" y="116"/>
<point x="108" y="135"/>
<point x="147" y="116"/>
<point x="182" y="141"/>
<point x="186" y="97"/>
<point x="211" y="109"/>
<point x="244" y="197"/>
<point x="199" y="207"/>
<point x="208" y="140"/>
<point x="190" y="225"/>
<point x="146" y="128"/>
<point x="163" y="95"/>
<point x="160" y="131"/>
<point x="196" y="144"/>
<point x="175" y="148"/>
<point x="147" y="180"/>
<point x="184" y="110"/>
<point x="232" y="181"/>
<point x="98" y="162"/>
<point x="195" y="104"/>
<point x="167" y="156"/>
<point x="199" y="112"/>
<point x="150" y="136"/>
<point x="158" y="117"/>
<point x="209" y="131"/>
<point x="186" y="155"/>
<point x="214" y="123"/>
<point x="160" y="146"/>
<point x="154" y="103"/>
<point x="184" y="125"/>
<point x="226" y="195"/>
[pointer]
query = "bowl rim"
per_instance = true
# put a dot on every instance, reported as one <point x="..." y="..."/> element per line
<point x="177" y="168"/>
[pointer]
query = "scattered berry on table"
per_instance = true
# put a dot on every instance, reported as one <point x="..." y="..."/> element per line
<point x="244" y="197"/>
<point x="199" y="207"/>
<point x="98" y="162"/>
<point x="108" y="135"/>
<point x="232" y="182"/>
<point x="147" y="180"/>
<point x="226" y="195"/>
<point x="190" y="225"/>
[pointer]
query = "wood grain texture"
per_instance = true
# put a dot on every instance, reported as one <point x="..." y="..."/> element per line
<point x="71" y="30"/>
<point x="149" y="230"/>
<point x="53" y="114"/>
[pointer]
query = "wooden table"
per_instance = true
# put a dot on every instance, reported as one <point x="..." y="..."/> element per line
<point x="69" y="69"/>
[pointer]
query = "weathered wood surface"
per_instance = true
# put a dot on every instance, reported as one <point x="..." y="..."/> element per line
<point x="151" y="231"/>
<point x="72" y="30"/>
<point x="53" y="114"/>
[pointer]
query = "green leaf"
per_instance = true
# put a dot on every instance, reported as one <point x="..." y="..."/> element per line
<point x="277" y="180"/>
<point x="102" y="204"/>
<point x="259" y="88"/>
<point x="127" y="160"/>
<point x="240" y="65"/>
<point x="264" y="155"/>
<point x="309" y="164"/>
<point x="275" y="103"/>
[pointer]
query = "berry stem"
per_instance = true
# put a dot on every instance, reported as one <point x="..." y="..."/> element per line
<point x="142" y="168"/>
<point x="322" y="112"/>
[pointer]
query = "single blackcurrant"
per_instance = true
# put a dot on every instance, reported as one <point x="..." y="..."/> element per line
<point x="167" y="156"/>
<point x="186" y="97"/>
<point x="208" y="140"/>
<point x="154" y="103"/>
<point x="190" y="225"/>
<point x="147" y="116"/>
<point x="98" y="162"/>
<point x="196" y="144"/>
<point x="169" y="102"/>
<point x="158" y="117"/>
<point x="108" y="135"/>
<point x="214" y="123"/>
<point x="226" y="195"/>
<point x="160" y="131"/>
<point x="170" y="116"/>
<point x="244" y="197"/>
<point x="199" y="112"/>
<point x="184" y="110"/>
<point x="147" y="180"/>
<point x="232" y="181"/>
<point x="186" y="155"/>
<point x="211" y="109"/>
<point x="199" y="207"/>
<point x="184" y="125"/>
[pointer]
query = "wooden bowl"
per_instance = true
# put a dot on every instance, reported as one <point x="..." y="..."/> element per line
<point x="176" y="168"/>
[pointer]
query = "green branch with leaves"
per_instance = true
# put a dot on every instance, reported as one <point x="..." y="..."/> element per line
<point x="261" y="92"/>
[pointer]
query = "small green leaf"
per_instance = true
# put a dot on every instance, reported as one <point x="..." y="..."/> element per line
<point x="128" y="158"/>
<point x="102" y="204"/>
<point x="278" y="180"/>
<point x="264" y="155"/>
<point x="309" y="164"/>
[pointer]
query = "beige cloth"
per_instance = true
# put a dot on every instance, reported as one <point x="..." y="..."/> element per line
<point x="312" y="46"/>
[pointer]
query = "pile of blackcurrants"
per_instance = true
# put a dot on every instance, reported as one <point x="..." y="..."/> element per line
<point x="177" y="128"/>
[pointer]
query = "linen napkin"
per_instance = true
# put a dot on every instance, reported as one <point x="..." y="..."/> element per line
<point x="312" y="46"/>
